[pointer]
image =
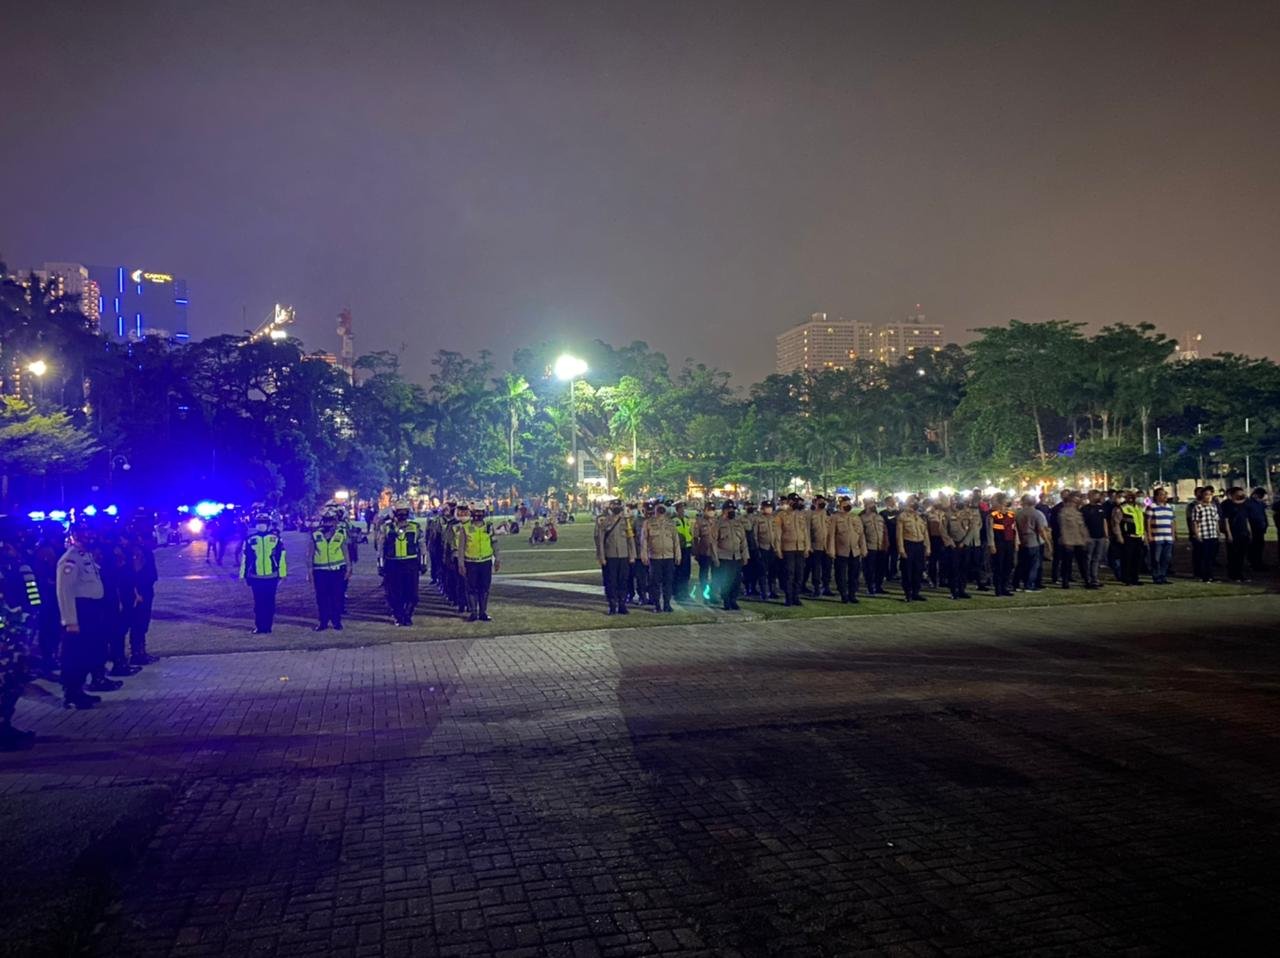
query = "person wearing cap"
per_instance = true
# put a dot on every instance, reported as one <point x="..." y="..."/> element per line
<point x="455" y="585"/>
<point x="1128" y="531"/>
<point x="703" y="546"/>
<point x="80" y="596"/>
<point x="1002" y="544"/>
<point x="875" y="531"/>
<point x="479" y="560"/>
<point x="818" y="565"/>
<point x="890" y="514"/>
<point x="847" y="544"/>
<point x="728" y="554"/>
<point x="684" y="568"/>
<point x="329" y="569"/>
<point x="913" y="549"/>
<point x="793" y="540"/>
<point x="402" y="563"/>
<point x="262" y="565"/>
<point x="768" y="554"/>
<point x="638" y="582"/>
<point x="1072" y="540"/>
<point x="962" y="528"/>
<point x="659" y="552"/>
<point x="751" y="570"/>
<point x="615" y="551"/>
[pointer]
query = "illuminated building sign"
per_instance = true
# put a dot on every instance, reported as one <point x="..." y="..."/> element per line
<point x="138" y="276"/>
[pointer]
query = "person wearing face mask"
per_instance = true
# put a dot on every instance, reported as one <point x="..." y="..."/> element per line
<point x="876" y="533"/>
<point x="479" y="551"/>
<point x="793" y="540"/>
<point x="729" y="553"/>
<point x="262" y="566"/>
<point x="768" y="555"/>
<point x="659" y="552"/>
<point x="329" y="569"/>
<point x="638" y="581"/>
<point x="80" y="595"/>
<point x="684" y="568"/>
<point x="703" y="546"/>
<point x="847" y="544"/>
<point x="818" y="565"/>
<point x="402" y="560"/>
<point x="913" y="549"/>
<point x="615" y="551"/>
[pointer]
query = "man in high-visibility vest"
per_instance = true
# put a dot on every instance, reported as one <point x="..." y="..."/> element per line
<point x="262" y="566"/>
<point x="1128" y="529"/>
<point x="402" y="558"/>
<point x="478" y="560"/>
<point x="684" y="529"/>
<point x="329" y="568"/>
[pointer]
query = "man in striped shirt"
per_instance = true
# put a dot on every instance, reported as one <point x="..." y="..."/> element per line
<point x="1160" y="536"/>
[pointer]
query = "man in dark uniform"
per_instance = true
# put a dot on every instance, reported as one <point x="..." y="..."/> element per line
<point x="402" y="562"/>
<point x="890" y="516"/>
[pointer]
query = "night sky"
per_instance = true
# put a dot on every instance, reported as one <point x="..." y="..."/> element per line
<point x="697" y="175"/>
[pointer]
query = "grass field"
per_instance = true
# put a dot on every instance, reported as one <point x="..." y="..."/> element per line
<point x="546" y="588"/>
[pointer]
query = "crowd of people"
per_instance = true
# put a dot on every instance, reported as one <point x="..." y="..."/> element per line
<point x="793" y="551"/>
<point x="77" y="609"/>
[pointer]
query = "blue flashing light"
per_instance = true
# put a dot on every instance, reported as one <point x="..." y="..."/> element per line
<point x="58" y="515"/>
<point x="182" y="336"/>
<point x="117" y="305"/>
<point x="181" y="302"/>
<point x="120" y="326"/>
<point x="139" y="289"/>
<point x="184" y="508"/>
<point x="102" y="305"/>
<point x="90" y="511"/>
<point x="111" y="511"/>
<point x="138" y="323"/>
<point x="36" y="516"/>
<point x="207" y="510"/>
<point x="120" y="280"/>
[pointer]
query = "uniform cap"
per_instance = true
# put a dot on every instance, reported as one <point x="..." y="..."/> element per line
<point x="727" y="504"/>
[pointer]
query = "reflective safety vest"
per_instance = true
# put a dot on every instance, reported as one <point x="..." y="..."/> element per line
<point x="1003" y="525"/>
<point x="684" y="529"/>
<point x="263" y="557"/>
<point x="329" y="552"/>
<point x="479" y="541"/>
<point x="33" y="589"/>
<point x="1133" y="522"/>
<point x="403" y="543"/>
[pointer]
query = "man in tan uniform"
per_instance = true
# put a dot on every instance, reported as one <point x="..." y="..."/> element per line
<point x="876" y="532"/>
<point x="818" y="565"/>
<point x="729" y="552"/>
<point x="768" y="555"/>
<point x="703" y="545"/>
<point x="913" y="548"/>
<point x="660" y="552"/>
<point x="847" y="544"/>
<point x="793" y="540"/>
<point x="615" y="551"/>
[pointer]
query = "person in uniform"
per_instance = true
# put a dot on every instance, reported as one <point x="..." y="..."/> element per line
<point x="638" y="579"/>
<point x="958" y="529"/>
<point x="329" y="569"/>
<point x="478" y="556"/>
<point x="262" y="566"/>
<point x="890" y="515"/>
<point x="684" y="569"/>
<point x="660" y="551"/>
<point x="80" y="596"/>
<point x="768" y="557"/>
<point x="847" y="545"/>
<point x="703" y="547"/>
<point x="435" y="546"/>
<point x="750" y="571"/>
<point x="402" y="561"/>
<point x="1002" y="544"/>
<point x="729" y="554"/>
<point x="455" y="585"/>
<point x="939" y="566"/>
<point x="876" y="532"/>
<point x="793" y="540"/>
<point x="913" y="549"/>
<point x="18" y="631"/>
<point x="1128" y="529"/>
<point x="818" y="565"/>
<point x="615" y="551"/>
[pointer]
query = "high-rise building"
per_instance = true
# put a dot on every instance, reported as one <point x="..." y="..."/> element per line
<point x="69" y="279"/>
<point x="821" y="343"/>
<point x="1189" y="345"/>
<point x="136" y="302"/>
<point x="902" y="340"/>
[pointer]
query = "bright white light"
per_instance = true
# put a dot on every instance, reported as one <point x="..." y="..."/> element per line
<point x="38" y="368"/>
<point x="569" y="459"/>
<point x="36" y="516"/>
<point x="278" y="334"/>
<point x="569" y="367"/>
<point x="947" y="491"/>
<point x="207" y="510"/>
<point x="901" y="496"/>
<point x="90" y="511"/>
<point x="184" y="508"/>
<point x="869" y="494"/>
<point x="342" y="495"/>
<point x="919" y="372"/>
<point x="111" y="511"/>
<point x="195" y="526"/>
<point x="58" y="515"/>
<point x="990" y="491"/>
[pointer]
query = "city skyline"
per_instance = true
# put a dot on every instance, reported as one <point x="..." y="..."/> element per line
<point x="471" y="176"/>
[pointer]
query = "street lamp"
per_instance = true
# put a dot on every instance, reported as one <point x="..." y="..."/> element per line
<point x="38" y="367"/>
<point x="569" y="368"/>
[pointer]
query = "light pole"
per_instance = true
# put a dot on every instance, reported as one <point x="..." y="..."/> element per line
<point x="570" y="368"/>
<point x="38" y="368"/>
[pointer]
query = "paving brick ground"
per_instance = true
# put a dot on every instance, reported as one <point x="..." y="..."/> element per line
<point x="1091" y="780"/>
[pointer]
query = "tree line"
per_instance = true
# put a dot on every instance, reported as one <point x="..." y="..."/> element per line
<point x="267" y="421"/>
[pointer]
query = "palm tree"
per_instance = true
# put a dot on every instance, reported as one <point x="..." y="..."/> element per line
<point x="516" y="397"/>
<point x="630" y="402"/>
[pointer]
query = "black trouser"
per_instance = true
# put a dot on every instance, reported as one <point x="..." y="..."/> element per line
<point x="792" y="574"/>
<point x="751" y="568"/>
<point x="1237" y="549"/>
<point x="479" y="581"/>
<point x="662" y="577"/>
<point x="50" y="633"/>
<point x="1063" y="558"/>
<point x="706" y="580"/>
<point x="116" y="626"/>
<point x="938" y="565"/>
<point x="328" y="584"/>
<point x="682" y="573"/>
<point x="78" y="646"/>
<point x="264" y="601"/>
<point x="957" y="560"/>
<point x="1131" y="553"/>
<point x="729" y="576"/>
<point x="818" y="570"/>
<point x="873" y="567"/>
<point x="891" y="556"/>
<point x="615" y="574"/>
<point x="1002" y="566"/>
<point x="1257" y="543"/>
<point x="435" y="554"/>
<point x="1204" y="554"/>
<point x="770" y="573"/>
<point x="400" y="580"/>
<point x="140" y="620"/>
<point x="638" y="585"/>
<point x="912" y="564"/>
<point x="847" y="577"/>
<point x="976" y="565"/>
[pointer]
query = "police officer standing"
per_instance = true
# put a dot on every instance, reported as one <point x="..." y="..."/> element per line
<point x="890" y="514"/>
<point x="793" y="540"/>
<point x="703" y="547"/>
<point x="684" y="568"/>
<point x="478" y="558"/>
<point x="80" y="595"/>
<point x="876" y="533"/>
<point x="329" y="568"/>
<point x="615" y="551"/>
<point x="262" y="566"/>
<point x="818" y="565"/>
<point x="728" y="554"/>
<point x="660" y="551"/>
<point x="913" y="549"/>
<point x="402" y="558"/>
<point x="962" y="526"/>
<point x="847" y="544"/>
<point x="768" y="554"/>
